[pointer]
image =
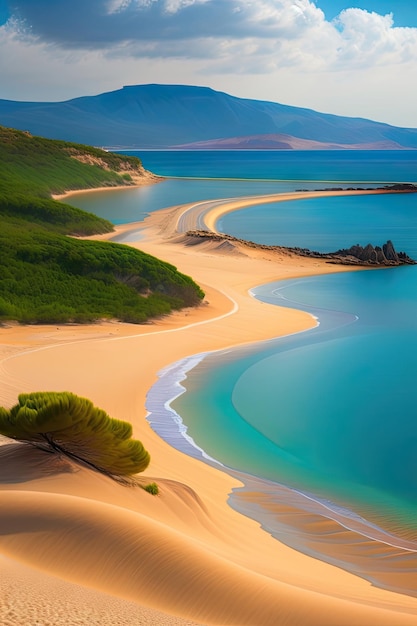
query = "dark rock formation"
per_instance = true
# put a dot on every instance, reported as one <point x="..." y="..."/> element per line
<point x="395" y="188"/>
<point x="356" y="255"/>
<point x="389" y="252"/>
<point x="401" y="187"/>
<point x="370" y="255"/>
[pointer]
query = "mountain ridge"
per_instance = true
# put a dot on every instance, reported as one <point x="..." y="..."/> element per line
<point x="281" y="141"/>
<point x="167" y="116"/>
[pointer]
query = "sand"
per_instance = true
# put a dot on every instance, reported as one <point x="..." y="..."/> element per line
<point x="78" y="548"/>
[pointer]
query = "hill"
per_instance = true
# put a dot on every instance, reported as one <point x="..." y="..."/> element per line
<point x="279" y="141"/>
<point x="162" y="116"/>
<point x="49" y="277"/>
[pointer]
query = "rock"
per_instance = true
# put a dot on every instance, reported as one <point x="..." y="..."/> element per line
<point x="355" y="255"/>
<point x="370" y="255"/>
<point x="389" y="252"/>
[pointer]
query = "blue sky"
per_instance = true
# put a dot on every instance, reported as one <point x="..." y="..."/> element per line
<point x="404" y="11"/>
<point x="349" y="58"/>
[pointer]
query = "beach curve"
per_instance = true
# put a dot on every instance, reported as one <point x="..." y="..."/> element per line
<point x="116" y="375"/>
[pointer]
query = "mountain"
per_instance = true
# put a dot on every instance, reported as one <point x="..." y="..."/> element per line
<point x="163" y="116"/>
<point x="279" y="141"/>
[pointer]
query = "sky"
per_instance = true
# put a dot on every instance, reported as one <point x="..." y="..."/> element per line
<point x="348" y="57"/>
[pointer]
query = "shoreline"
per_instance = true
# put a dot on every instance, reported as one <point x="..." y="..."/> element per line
<point x="148" y="178"/>
<point x="171" y="427"/>
<point x="214" y="215"/>
<point x="189" y="532"/>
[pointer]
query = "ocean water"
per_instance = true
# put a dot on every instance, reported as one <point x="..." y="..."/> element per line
<point x="328" y="224"/>
<point x="330" y="413"/>
<point x="195" y="176"/>
<point x="133" y="205"/>
<point x="295" y="166"/>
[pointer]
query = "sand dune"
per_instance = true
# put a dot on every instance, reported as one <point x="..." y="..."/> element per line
<point x="184" y="556"/>
<point x="138" y="558"/>
<point x="32" y="597"/>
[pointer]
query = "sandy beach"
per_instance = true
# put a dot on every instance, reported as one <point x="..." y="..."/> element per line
<point x="78" y="548"/>
<point x="137" y="180"/>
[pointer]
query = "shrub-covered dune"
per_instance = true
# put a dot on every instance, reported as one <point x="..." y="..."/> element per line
<point x="48" y="277"/>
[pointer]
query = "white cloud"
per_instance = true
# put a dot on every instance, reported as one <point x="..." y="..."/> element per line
<point x="262" y="35"/>
<point x="371" y="39"/>
<point x="173" y="6"/>
<point x="168" y="6"/>
<point x="114" y="6"/>
<point x="280" y="50"/>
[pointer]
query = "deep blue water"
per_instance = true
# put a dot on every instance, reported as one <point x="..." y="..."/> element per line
<point x="297" y="166"/>
<point x="331" y="411"/>
<point x="328" y="224"/>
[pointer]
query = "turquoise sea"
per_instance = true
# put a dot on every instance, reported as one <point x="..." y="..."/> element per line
<point x="330" y="414"/>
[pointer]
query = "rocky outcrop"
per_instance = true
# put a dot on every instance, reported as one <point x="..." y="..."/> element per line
<point x="369" y="255"/>
<point x="395" y="188"/>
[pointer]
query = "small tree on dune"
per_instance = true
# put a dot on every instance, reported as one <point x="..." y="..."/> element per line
<point x="67" y="424"/>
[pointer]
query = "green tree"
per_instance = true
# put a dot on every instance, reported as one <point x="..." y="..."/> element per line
<point x="42" y="270"/>
<point x="65" y="423"/>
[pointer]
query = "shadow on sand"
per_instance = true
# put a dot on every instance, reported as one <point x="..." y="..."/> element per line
<point x="20" y="463"/>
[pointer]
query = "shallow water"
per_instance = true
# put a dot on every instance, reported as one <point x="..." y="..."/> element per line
<point x="330" y="411"/>
<point x="229" y="174"/>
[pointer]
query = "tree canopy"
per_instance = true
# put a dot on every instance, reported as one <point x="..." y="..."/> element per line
<point x="66" y="423"/>
<point x="48" y="277"/>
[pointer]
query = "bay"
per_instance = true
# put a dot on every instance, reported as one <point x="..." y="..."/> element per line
<point x="328" y="224"/>
<point x="330" y="412"/>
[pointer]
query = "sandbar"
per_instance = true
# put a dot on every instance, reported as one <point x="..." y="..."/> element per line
<point x="184" y="556"/>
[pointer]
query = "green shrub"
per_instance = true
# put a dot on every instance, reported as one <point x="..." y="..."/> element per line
<point x="67" y="424"/>
<point x="152" y="488"/>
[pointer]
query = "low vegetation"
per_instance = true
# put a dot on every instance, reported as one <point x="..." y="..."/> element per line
<point x="47" y="276"/>
<point x="50" y="278"/>
<point x="64" y="423"/>
<point x="40" y="167"/>
<point x="152" y="488"/>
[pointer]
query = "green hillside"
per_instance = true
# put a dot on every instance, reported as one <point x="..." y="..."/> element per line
<point x="47" y="276"/>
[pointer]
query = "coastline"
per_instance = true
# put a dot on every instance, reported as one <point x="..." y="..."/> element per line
<point x="187" y="542"/>
<point x="148" y="178"/>
<point x="216" y="213"/>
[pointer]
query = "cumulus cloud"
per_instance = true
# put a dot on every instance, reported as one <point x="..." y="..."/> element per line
<point x="220" y="30"/>
<point x="102" y="42"/>
<point x="368" y="38"/>
<point x="114" y="21"/>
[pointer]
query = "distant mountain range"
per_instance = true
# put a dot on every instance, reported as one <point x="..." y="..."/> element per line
<point x="178" y="116"/>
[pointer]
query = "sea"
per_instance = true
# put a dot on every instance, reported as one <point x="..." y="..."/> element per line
<point x="323" y="422"/>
